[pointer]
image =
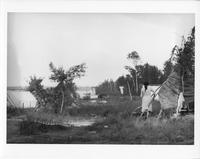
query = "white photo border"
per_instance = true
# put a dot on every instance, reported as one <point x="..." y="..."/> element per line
<point x="85" y="150"/>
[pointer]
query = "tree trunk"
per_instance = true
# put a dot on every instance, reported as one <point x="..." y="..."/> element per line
<point x="62" y="104"/>
<point x="182" y="80"/>
<point x="182" y="84"/>
<point x="136" y="81"/>
<point x="133" y="87"/>
<point x="111" y="91"/>
<point x="129" y="91"/>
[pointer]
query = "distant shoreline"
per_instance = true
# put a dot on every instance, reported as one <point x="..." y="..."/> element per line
<point x="24" y="88"/>
<point x="16" y="88"/>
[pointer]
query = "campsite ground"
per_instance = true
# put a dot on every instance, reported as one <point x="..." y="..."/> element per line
<point x="115" y="124"/>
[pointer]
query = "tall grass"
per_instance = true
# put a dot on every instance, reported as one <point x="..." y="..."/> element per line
<point x="151" y="131"/>
<point x="119" y="126"/>
<point x="114" y="106"/>
<point x="13" y="111"/>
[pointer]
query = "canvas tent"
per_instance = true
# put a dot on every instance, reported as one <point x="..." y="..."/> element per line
<point x="175" y="83"/>
<point x="18" y="98"/>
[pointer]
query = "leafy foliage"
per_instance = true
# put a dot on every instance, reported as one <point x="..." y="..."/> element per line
<point x="186" y="54"/>
<point x="37" y="89"/>
<point x="65" y="86"/>
<point x="182" y="57"/>
<point x="35" y="84"/>
<point x="144" y="73"/>
<point x="60" y="75"/>
<point x="134" y="57"/>
<point x="168" y="66"/>
<point x="149" y="73"/>
<point x="63" y="94"/>
<point x="107" y="87"/>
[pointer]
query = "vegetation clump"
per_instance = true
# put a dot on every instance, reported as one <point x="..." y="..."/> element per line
<point x="55" y="99"/>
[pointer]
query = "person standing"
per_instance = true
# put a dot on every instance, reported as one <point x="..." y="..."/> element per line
<point x="146" y="94"/>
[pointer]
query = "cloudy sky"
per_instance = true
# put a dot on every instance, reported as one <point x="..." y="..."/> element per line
<point x="102" y="41"/>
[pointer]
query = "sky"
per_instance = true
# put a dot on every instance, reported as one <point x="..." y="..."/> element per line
<point x="102" y="41"/>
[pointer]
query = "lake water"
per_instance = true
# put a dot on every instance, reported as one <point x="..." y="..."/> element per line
<point x="79" y="123"/>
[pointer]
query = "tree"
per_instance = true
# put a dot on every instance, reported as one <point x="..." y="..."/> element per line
<point x="168" y="67"/>
<point x="133" y="72"/>
<point x="185" y="57"/>
<point x="107" y="87"/>
<point x="121" y="82"/>
<point x="65" y="80"/>
<point x="135" y="58"/>
<point x="186" y="54"/>
<point x="128" y="79"/>
<point x="37" y="89"/>
<point x="182" y="58"/>
<point x="128" y="83"/>
<point x="149" y="73"/>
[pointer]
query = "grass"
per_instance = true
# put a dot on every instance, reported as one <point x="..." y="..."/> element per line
<point x="118" y="127"/>
<point x="14" y="111"/>
<point x="114" y="106"/>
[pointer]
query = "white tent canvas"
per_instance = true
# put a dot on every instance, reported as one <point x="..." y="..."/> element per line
<point x="19" y="98"/>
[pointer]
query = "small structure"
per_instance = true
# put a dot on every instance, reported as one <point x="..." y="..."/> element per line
<point x="173" y="87"/>
<point x="87" y="91"/>
<point x="121" y="88"/>
<point x="20" y="98"/>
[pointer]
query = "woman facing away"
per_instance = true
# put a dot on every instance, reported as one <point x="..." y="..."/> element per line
<point x="146" y="94"/>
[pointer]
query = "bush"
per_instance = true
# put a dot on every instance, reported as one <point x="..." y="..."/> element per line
<point x="14" y="111"/>
<point x="34" y="128"/>
<point x="86" y="97"/>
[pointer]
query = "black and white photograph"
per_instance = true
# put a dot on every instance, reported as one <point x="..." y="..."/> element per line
<point x="100" y="78"/>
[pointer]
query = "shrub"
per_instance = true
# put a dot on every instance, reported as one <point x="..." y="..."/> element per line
<point x="14" y="111"/>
